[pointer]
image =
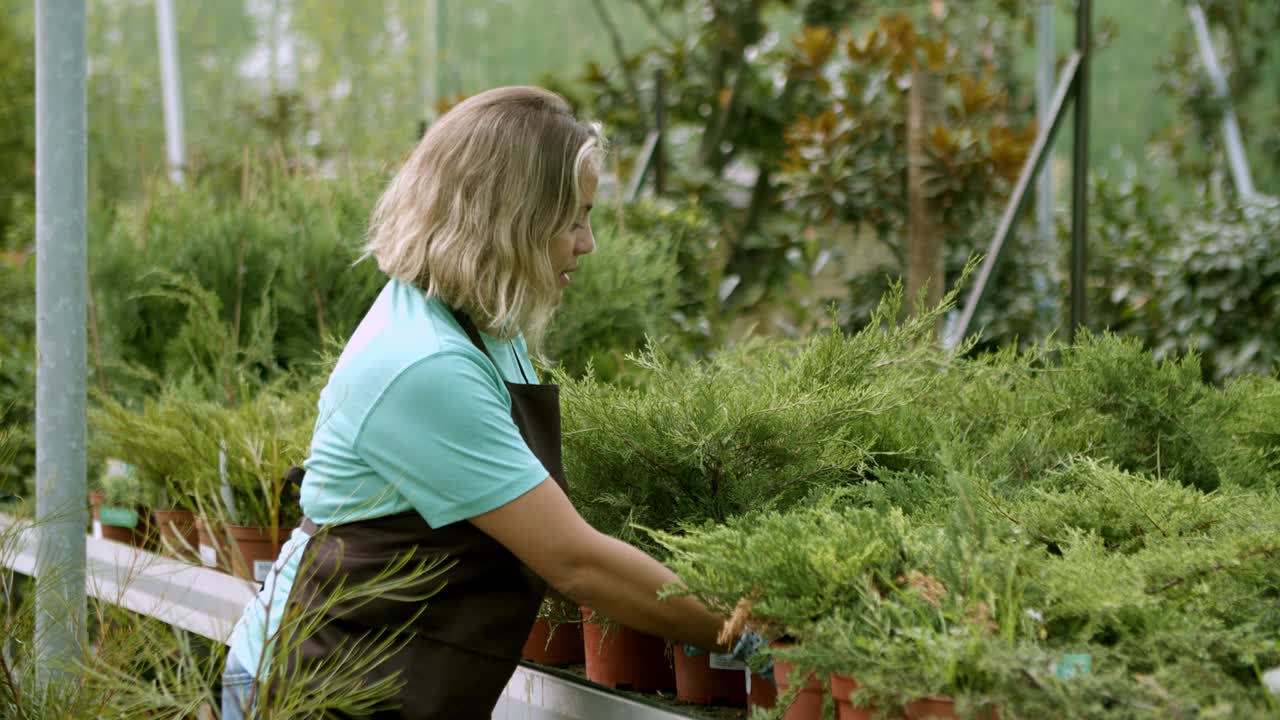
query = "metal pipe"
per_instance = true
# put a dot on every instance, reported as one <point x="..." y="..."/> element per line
<point x="660" y="124"/>
<point x="1080" y="171"/>
<point x="1232" y="140"/>
<point x="1017" y="201"/>
<point x="1045" y="287"/>
<point x="431" y="58"/>
<point x="61" y="290"/>
<point x="171" y="82"/>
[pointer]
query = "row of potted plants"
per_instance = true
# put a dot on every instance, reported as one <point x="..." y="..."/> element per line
<point x="201" y="481"/>
<point x="1031" y="533"/>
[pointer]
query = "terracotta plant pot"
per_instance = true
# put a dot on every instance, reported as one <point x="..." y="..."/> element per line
<point x="699" y="683"/>
<point x="178" y="534"/>
<point x="563" y="646"/>
<point x="761" y="693"/>
<point x="131" y="530"/>
<point x="96" y="500"/>
<point x="842" y="686"/>
<point x="625" y="658"/>
<point x="808" y="704"/>
<point x="253" y="550"/>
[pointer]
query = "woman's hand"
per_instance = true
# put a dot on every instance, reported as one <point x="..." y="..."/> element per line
<point x="613" y="578"/>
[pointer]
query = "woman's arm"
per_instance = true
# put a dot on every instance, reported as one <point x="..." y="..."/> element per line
<point x="543" y="529"/>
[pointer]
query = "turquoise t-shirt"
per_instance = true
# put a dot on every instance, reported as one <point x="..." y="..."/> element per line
<point x="414" y="417"/>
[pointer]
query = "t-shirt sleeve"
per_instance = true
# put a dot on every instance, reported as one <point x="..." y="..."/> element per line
<point x="442" y="435"/>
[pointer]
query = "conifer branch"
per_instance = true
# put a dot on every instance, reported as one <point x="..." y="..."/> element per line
<point x="1267" y="551"/>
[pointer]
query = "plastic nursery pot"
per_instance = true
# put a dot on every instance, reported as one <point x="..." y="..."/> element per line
<point x="253" y="550"/>
<point x="125" y="525"/>
<point x="808" y="704"/>
<point x="699" y="683"/>
<point x="761" y="692"/>
<point x="941" y="708"/>
<point x="625" y="658"/>
<point x="178" y="534"/>
<point x="842" y="686"/>
<point x="561" y="646"/>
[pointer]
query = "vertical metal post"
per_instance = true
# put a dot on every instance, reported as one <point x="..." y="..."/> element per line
<point x="171" y="83"/>
<point x="1046" y="302"/>
<point x="1234" y="144"/>
<point x="1080" y="171"/>
<point x="660" y="125"/>
<point x="61" y="290"/>
<point x="430" y="58"/>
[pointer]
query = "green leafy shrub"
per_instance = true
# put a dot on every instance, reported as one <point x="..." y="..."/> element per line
<point x="627" y="291"/>
<point x="18" y="372"/>
<point x="785" y="571"/>
<point x="288" y="244"/>
<point x="1200" y="278"/>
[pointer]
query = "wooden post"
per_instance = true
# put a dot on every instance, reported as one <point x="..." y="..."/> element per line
<point x="925" y="271"/>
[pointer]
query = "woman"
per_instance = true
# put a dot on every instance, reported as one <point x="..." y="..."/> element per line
<point x="434" y="437"/>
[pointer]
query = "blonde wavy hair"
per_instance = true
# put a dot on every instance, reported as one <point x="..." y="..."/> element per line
<point x="470" y="216"/>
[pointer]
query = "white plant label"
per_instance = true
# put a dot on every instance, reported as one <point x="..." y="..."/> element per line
<point x="725" y="661"/>
<point x="208" y="556"/>
<point x="97" y="529"/>
<point x="262" y="569"/>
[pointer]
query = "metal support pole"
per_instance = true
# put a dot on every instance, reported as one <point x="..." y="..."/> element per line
<point x="171" y="82"/>
<point x="1046" y="300"/>
<point x="958" y="329"/>
<point x="1080" y="171"/>
<point x="660" y="118"/>
<point x="430" y="58"/>
<point x="61" y="290"/>
<point x="1236" y="156"/>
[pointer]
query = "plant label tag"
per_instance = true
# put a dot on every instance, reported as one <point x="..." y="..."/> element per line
<point x="97" y="529"/>
<point x="208" y="556"/>
<point x="1073" y="664"/>
<point x="118" y="516"/>
<point x="725" y="661"/>
<point x="262" y="569"/>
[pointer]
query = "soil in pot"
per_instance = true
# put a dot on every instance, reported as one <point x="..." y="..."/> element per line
<point x="625" y="658"/>
<point x="808" y="704"/>
<point x="178" y="536"/>
<point x="699" y="683"/>
<point x="842" y="686"/>
<point x="125" y="525"/>
<point x="253" y="550"/>
<point x="561" y="646"/>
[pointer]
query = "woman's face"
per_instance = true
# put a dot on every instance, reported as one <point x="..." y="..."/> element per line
<point x="578" y="240"/>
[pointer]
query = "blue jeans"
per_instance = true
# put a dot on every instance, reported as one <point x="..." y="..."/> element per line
<point x="237" y="686"/>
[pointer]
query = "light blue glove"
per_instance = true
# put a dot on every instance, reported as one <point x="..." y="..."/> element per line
<point x="749" y="643"/>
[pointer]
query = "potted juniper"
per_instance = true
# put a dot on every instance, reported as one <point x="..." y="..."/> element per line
<point x="780" y="573"/>
<point x="701" y="443"/>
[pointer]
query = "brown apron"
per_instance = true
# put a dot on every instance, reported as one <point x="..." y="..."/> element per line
<point x="464" y="646"/>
